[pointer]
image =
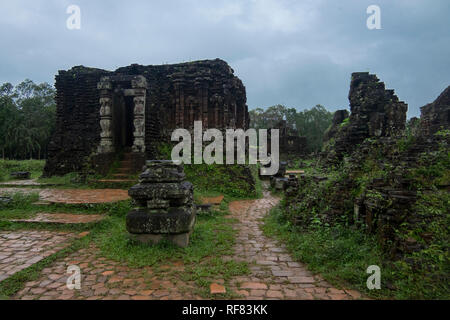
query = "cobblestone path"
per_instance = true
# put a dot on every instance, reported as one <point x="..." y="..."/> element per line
<point x="21" y="249"/>
<point x="274" y="274"/>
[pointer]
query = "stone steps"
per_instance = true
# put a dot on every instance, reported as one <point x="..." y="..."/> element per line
<point x="122" y="178"/>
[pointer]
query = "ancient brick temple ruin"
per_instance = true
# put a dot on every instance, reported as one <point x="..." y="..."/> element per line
<point x="435" y="116"/>
<point x="291" y="143"/>
<point x="380" y="165"/>
<point x="375" y="112"/>
<point x="101" y="113"/>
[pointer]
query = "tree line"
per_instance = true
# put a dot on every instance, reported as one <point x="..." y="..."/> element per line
<point x="28" y="110"/>
<point x="311" y="123"/>
<point x="27" y="119"/>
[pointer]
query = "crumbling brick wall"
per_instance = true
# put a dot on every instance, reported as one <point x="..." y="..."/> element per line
<point x="436" y="115"/>
<point x="375" y="112"/>
<point x="177" y="95"/>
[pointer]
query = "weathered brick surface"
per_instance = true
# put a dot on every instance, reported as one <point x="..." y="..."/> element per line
<point x="73" y="196"/>
<point x="274" y="274"/>
<point x="105" y="279"/>
<point x="21" y="249"/>
<point x="80" y="196"/>
<point x="176" y="96"/>
<point x="436" y="115"/>
<point x="62" y="218"/>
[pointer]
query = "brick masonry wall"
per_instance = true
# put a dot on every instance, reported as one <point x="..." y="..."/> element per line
<point x="177" y="95"/>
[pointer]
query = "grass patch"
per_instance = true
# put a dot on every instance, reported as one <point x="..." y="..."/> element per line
<point x="35" y="167"/>
<point x="236" y="181"/>
<point x="341" y="255"/>
<point x="66" y="180"/>
<point x="213" y="238"/>
<point x="22" y="207"/>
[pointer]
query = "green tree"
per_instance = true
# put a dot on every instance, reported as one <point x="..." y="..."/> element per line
<point x="312" y="124"/>
<point x="309" y="123"/>
<point x="27" y="117"/>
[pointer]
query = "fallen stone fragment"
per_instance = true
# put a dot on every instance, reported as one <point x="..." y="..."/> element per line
<point x="215" y="201"/>
<point x="216" y="288"/>
<point x="20" y="175"/>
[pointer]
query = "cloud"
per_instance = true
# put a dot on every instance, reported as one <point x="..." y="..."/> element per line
<point x="299" y="53"/>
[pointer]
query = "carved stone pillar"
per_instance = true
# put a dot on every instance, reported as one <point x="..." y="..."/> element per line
<point x="139" y="124"/>
<point x="139" y="84"/>
<point x="106" y="136"/>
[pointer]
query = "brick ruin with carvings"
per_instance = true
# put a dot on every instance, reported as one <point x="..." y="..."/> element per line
<point x="102" y="113"/>
<point x="291" y="143"/>
<point x="379" y="161"/>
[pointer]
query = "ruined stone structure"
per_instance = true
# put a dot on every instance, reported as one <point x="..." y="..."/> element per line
<point x="100" y="113"/>
<point x="375" y="112"/>
<point x="338" y="118"/>
<point x="290" y="142"/>
<point x="278" y="180"/>
<point x="380" y="185"/>
<point x="165" y="205"/>
<point x="436" y="115"/>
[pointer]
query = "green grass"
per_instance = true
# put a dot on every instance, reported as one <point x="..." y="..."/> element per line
<point x="235" y="181"/>
<point x="35" y="167"/>
<point x="213" y="238"/>
<point x="342" y="254"/>
<point x="66" y="180"/>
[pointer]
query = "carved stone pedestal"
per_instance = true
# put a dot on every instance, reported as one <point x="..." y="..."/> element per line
<point x="165" y="207"/>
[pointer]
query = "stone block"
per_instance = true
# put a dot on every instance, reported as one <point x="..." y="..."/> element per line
<point x="20" y="175"/>
<point x="165" y="207"/>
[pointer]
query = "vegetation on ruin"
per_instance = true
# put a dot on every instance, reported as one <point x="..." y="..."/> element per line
<point x="235" y="181"/>
<point x="341" y="248"/>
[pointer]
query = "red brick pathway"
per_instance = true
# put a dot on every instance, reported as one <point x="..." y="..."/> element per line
<point x="21" y="249"/>
<point x="83" y="196"/>
<point x="274" y="274"/>
<point x="105" y="279"/>
<point x="62" y="218"/>
<point x="73" y="196"/>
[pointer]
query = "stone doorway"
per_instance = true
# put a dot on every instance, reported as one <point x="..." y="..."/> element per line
<point x="122" y="114"/>
<point x="122" y="123"/>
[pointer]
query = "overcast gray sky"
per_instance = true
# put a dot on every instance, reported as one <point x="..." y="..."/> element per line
<point x="297" y="53"/>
